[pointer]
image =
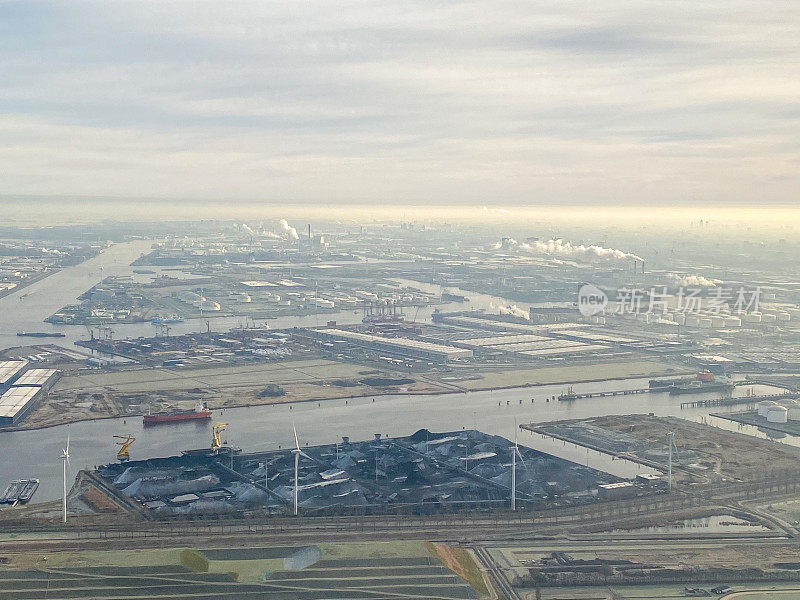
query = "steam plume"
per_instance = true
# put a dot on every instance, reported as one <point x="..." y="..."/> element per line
<point x="289" y="231"/>
<point x="558" y="248"/>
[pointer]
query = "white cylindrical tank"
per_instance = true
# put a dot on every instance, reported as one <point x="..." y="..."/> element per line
<point x="680" y="319"/>
<point x="692" y="321"/>
<point x="783" y="316"/>
<point x="751" y="318"/>
<point x="768" y="318"/>
<point x="764" y="406"/>
<point x="794" y="413"/>
<point x="705" y="322"/>
<point x="733" y="322"/>
<point x="778" y="414"/>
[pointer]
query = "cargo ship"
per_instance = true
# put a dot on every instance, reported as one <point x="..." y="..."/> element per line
<point x="199" y="413"/>
<point x="19" y="491"/>
<point x="42" y="334"/>
<point x="700" y="387"/>
<point x="447" y="297"/>
<point x="161" y="320"/>
<point x="664" y="384"/>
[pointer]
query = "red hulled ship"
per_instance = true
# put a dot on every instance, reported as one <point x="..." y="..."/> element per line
<point x="200" y="413"/>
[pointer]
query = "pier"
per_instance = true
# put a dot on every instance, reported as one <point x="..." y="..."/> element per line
<point x="741" y="400"/>
<point x="570" y="397"/>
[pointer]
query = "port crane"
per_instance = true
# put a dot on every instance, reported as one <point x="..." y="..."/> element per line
<point x="125" y="443"/>
<point x="216" y="433"/>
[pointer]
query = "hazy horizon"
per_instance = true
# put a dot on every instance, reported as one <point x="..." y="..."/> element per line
<point x="480" y="103"/>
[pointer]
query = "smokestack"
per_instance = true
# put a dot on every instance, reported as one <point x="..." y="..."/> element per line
<point x="309" y="233"/>
<point x="642" y="267"/>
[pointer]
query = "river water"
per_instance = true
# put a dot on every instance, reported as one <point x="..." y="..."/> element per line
<point x="25" y="454"/>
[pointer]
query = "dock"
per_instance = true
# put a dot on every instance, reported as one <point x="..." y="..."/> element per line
<point x="740" y="400"/>
<point x="570" y="397"/>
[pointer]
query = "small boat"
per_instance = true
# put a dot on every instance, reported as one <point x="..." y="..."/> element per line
<point x="19" y="491"/>
<point x="28" y="490"/>
<point x="199" y="413"/>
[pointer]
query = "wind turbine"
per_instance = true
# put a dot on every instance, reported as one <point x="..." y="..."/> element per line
<point x="297" y="452"/>
<point x="514" y="469"/>
<point x="671" y="443"/>
<point x="65" y="458"/>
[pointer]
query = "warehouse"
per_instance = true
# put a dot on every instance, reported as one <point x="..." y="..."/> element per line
<point x="17" y="403"/>
<point x="396" y="346"/>
<point x="10" y="370"/>
<point x="42" y="378"/>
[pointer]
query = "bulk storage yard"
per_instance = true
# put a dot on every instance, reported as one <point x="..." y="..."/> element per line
<point x="425" y="472"/>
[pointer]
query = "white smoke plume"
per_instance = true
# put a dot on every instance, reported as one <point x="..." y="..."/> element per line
<point x="558" y="248"/>
<point x="289" y="231"/>
<point x="693" y="280"/>
<point x="512" y="310"/>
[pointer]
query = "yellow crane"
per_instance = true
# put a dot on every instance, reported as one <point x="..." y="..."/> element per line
<point x="216" y="432"/>
<point x="125" y="443"/>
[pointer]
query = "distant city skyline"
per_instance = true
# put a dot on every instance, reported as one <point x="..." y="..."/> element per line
<point x="499" y="104"/>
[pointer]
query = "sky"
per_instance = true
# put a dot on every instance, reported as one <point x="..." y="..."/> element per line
<point x="498" y="103"/>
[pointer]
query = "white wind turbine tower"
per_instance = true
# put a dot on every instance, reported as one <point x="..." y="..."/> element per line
<point x="65" y="458"/>
<point x="297" y="452"/>
<point x="671" y="443"/>
<point x="514" y="469"/>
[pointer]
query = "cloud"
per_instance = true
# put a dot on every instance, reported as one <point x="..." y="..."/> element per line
<point x="411" y="101"/>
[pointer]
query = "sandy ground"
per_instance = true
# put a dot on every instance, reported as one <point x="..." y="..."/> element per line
<point x="101" y="394"/>
<point x="730" y="454"/>
<point x="567" y="374"/>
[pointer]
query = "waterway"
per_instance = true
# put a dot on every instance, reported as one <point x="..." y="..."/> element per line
<point x="25" y="454"/>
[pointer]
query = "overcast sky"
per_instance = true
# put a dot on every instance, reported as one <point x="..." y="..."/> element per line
<point x="402" y="102"/>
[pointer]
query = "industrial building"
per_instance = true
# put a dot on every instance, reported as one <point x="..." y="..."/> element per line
<point x="16" y="403"/>
<point x="404" y="347"/>
<point x="18" y="400"/>
<point x="10" y="370"/>
<point x="43" y="378"/>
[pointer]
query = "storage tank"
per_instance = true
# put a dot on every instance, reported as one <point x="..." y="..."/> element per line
<point x="783" y="316"/>
<point x="794" y="413"/>
<point x="764" y="406"/>
<point x="751" y="318"/>
<point x="777" y="414"/>
<point x="680" y="319"/>
<point x="705" y="322"/>
<point x="718" y="322"/>
<point x="733" y="322"/>
<point x="692" y="321"/>
<point x="768" y="318"/>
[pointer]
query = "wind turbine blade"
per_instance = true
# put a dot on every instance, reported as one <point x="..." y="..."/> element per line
<point x="520" y="457"/>
<point x="66" y="450"/>
<point x="306" y="455"/>
<point x="296" y="441"/>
